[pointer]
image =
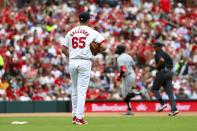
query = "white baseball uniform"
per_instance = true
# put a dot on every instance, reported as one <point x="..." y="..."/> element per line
<point x="78" y="43"/>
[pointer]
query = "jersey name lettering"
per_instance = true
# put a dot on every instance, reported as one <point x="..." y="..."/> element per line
<point x="79" y="31"/>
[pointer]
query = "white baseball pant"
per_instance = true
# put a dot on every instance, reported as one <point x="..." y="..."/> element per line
<point x="80" y="75"/>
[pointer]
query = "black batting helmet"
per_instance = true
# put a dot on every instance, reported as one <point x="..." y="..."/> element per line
<point x="120" y="49"/>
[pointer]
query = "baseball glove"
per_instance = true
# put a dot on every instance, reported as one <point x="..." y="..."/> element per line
<point x="94" y="47"/>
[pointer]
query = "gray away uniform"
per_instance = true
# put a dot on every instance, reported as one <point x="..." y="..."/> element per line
<point x="128" y="78"/>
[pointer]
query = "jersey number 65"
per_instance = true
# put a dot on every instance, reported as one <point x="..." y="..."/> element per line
<point x="78" y="42"/>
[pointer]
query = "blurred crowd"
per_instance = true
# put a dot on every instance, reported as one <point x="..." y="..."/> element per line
<point x="35" y="69"/>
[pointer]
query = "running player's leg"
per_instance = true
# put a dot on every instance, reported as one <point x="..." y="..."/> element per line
<point x="127" y="83"/>
<point x="74" y="77"/>
<point x="82" y="86"/>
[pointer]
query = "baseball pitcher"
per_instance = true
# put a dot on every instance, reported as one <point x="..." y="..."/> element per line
<point x="76" y="46"/>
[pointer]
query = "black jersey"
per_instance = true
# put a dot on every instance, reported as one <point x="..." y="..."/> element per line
<point x="168" y="63"/>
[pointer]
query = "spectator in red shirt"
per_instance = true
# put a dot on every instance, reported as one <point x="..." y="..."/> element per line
<point x="102" y="95"/>
<point x="165" y="5"/>
<point x="36" y="97"/>
<point x="91" y="93"/>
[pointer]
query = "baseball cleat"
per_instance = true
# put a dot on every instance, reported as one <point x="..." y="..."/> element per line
<point x="81" y="122"/>
<point x="162" y="107"/>
<point x="74" y="119"/>
<point x="128" y="113"/>
<point x="173" y="113"/>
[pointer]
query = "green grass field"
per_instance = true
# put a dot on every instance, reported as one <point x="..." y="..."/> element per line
<point x="181" y="123"/>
